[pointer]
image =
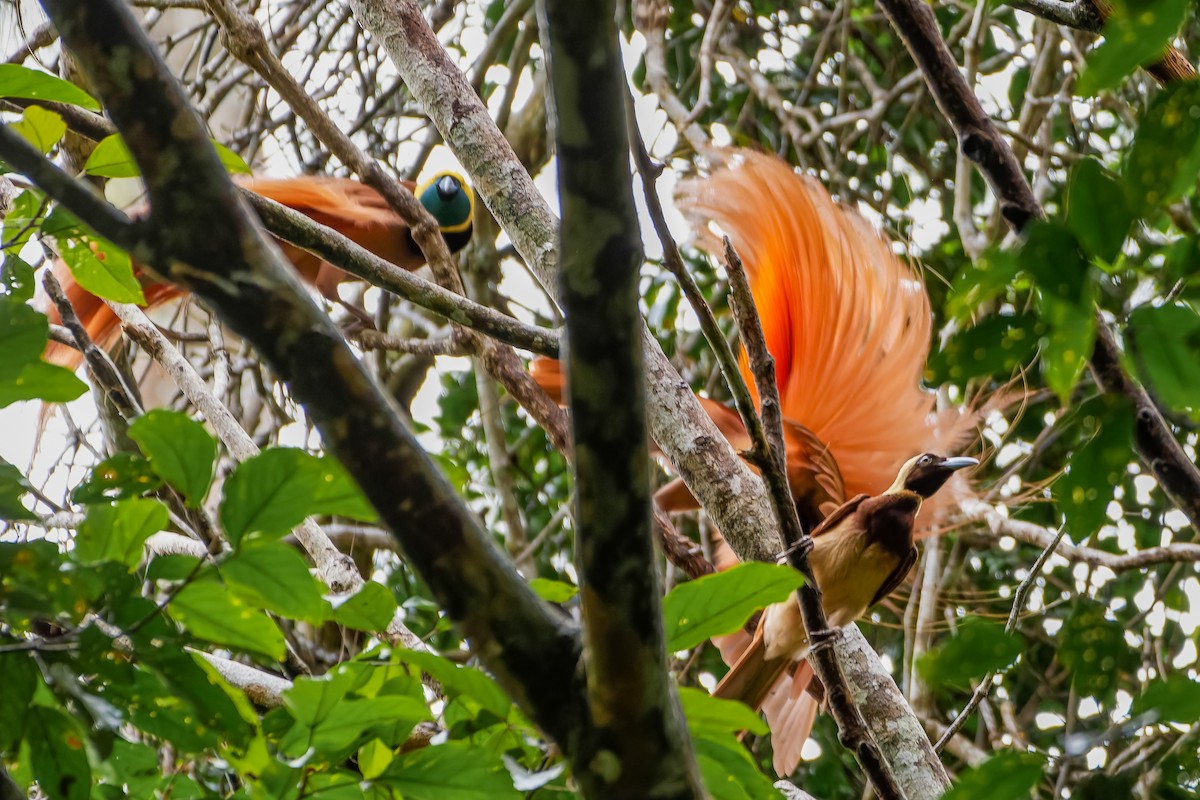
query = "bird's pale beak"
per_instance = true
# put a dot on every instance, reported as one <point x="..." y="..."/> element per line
<point x="959" y="462"/>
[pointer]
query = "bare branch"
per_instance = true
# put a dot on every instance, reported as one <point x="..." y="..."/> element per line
<point x="1081" y="14"/>
<point x="999" y="524"/>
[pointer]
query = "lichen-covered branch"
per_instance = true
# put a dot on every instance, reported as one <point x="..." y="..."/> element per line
<point x="639" y="746"/>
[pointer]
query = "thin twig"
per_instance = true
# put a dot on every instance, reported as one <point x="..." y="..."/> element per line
<point x="369" y="339"/>
<point x="100" y="365"/>
<point x="1014" y="615"/>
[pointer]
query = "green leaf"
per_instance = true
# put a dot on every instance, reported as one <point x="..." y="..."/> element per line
<point x="270" y="492"/>
<point x="1096" y="209"/>
<point x="369" y="609"/>
<point x="728" y="769"/>
<point x="30" y="84"/>
<point x="274" y="491"/>
<point x="20" y="677"/>
<point x="981" y="282"/>
<point x="707" y="713"/>
<point x="1173" y="699"/>
<point x="41" y="381"/>
<point x="338" y="494"/>
<point x="13" y="486"/>
<point x="115" y="478"/>
<point x="1135" y="33"/>
<point x="1065" y="302"/>
<point x="311" y="699"/>
<point x="977" y="649"/>
<point x="460" y="681"/>
<point x="333" y="711"/>
<point x="112" y="159"/>
<point x="23" y="335"/>
<point x="22" y="221"/>
<point x="335" y="785"/>
<point x="1094" y="650"/>
<point x="56" y="750"/>
<point x="118" y="531"/>
<point x="41" y="128"/>
<point x="1165" y="155"/>
<point x="344" y="724"/>
<point x="1005" y="776"/>
<point x="721" y="603"/>
<point x="102" y="268"/>
<point x="180" y="450"/>
<point x="451" y="771"/>
<point x="1164" y="342"/>
<point x="553" y="591"/>
<point x="16" y="277"/>
<point x="997" y="347"/>
<point x="211" y="612"/>
<point x="373" y="758"/>
<point x="1082" y="494"/>
<point x="233" y="163"/>
<point x="274" y="577"/>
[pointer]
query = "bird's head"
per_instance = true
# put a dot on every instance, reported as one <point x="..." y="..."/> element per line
<point x="926" y="473"/>
<point x="451" y="202"/>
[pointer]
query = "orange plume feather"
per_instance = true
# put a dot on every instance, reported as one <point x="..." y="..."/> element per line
<point x="847" y="322"/>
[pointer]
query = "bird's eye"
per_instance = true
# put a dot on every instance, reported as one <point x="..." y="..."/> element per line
<point x="925" y="461"/>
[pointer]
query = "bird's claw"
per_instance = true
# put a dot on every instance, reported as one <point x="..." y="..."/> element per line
<point x="800" y="549"/>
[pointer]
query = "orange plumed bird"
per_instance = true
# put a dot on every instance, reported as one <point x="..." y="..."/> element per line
<point x="352" y="208"/>
<point x="849" y="326"/>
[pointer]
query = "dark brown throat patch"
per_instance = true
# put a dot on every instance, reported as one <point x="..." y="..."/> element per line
<point x="888" y="520"/>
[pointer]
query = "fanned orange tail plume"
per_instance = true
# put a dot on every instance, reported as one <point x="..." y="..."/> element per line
<point x="355" y="210"/>
<point x="847" y="322"/>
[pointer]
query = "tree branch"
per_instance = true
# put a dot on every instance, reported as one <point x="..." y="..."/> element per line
<point x="332" y="246"/>
<point x="728" y="489"/>
<point x="199" y="234"/>
<point x="769" y="453"/>
<point x="641" y="746"/>
<point x="999" y="525"/>
<point x="981" y="142"/>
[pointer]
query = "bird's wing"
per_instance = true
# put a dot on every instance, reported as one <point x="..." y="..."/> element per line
<point x="813" y="475"/>
<point x="848" y="322"/>
<point x="897" y="575"/>
<point x="353" y="209"/>
<point x="840" y="513"/>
